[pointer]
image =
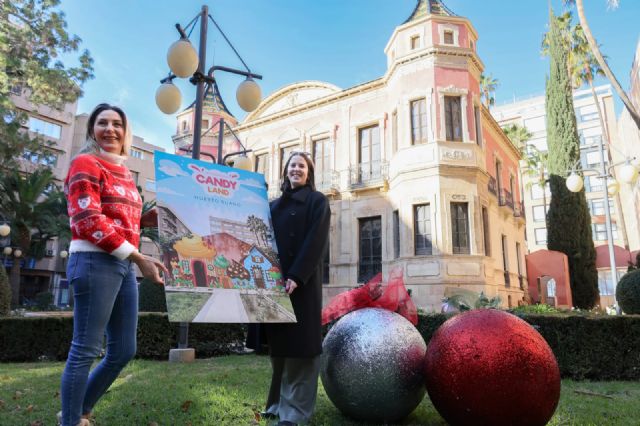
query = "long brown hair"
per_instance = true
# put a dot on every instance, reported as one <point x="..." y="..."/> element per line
<point x="311" y="180"/>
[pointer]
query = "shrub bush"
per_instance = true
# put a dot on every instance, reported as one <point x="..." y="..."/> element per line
<point x="628" y="292"/>
<point x="26" y="339"/>
<point x="151" y="297"/>
<point x="5" y="293"/>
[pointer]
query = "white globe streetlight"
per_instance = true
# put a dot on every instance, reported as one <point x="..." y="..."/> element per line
<point x="17" y="253"/>
<point x="628" y="173"/>
<point x="182" y="58"/>
<point x="4" y="230"/>
<point x="574" y="182"/>
<point x="613" y="187"/>
<point x="64" y="254"/>
<point x="168" y="98"/>
<point x="248" y="95"/>
<point x="243" y="162"/>
<point x="7" y="251"/>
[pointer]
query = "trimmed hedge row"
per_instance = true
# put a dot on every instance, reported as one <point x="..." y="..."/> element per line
<point x="32" y="339"/>
<point x="587" y="347"/>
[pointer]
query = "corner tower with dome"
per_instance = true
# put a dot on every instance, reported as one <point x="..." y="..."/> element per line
<point x="420" y="176"/>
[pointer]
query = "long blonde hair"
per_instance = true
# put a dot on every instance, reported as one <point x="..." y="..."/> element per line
<point x="91" y="146"/>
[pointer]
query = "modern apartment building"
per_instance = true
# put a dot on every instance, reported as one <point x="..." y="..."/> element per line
<point x="419" y="174"/>
<point x="531" y="114"/>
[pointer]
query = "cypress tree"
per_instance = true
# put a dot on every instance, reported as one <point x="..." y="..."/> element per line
<point x="5" y="293"/>
<point x="568" y="220"/>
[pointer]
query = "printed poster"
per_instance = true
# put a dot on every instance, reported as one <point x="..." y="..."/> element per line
<point x="217" y="241"/>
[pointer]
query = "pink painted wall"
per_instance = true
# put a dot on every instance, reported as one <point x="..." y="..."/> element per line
<point x="622" y="256"/>
<point x="553" y="264"/>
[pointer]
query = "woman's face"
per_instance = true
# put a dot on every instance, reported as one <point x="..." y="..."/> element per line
<point x="108" y="131"/>
<point x="297" y="172"/>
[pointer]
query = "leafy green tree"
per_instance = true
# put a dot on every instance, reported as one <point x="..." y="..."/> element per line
<point x="36" y="210"/>
<point x="601" y="60"/>
<point x="488" y="86"/>
<point x="33" y="39"/>
<point x="568" y="219"/>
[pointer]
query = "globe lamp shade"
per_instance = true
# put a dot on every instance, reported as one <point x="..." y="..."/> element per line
<point x="628" y="174"/>
<point x="4" y="230"/>
<point x="17" y="252"/>
<point x="243" y="162"/>
<point x="613" y="187"/>
<point x="168" y="98"/>
<point x="64" y="254"/>
<point x="248" y="95"/>
<point x="7" y="251"/>
<point x="182" y="58"/>
<point x="575" y="183"/>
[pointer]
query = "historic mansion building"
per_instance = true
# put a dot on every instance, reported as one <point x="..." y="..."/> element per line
<point x="419" y="175"/>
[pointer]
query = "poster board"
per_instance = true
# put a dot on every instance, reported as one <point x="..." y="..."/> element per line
<point x="217" y="241"/>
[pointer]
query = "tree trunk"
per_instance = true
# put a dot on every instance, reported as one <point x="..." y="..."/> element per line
<point x="14" y="279"/>
<point x="603" y="64"/>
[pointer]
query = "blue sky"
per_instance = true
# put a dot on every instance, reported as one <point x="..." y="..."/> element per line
<point x="337" y="41"/>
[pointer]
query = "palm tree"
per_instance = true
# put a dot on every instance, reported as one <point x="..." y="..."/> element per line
<point x="36" y="209"/>
<point x="600" y="59"/>
<point x="517" y="134"/>
<point x="488" y="86"/>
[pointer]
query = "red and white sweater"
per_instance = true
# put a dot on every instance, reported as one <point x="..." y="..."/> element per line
<point x="103" y="204"/>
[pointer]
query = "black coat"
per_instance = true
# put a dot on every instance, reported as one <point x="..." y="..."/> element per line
<point x="301" y="224"/>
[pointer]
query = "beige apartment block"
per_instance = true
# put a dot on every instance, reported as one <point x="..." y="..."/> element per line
<point x="419" y="175"/>
<point x="531" y="114"/>
<point x="627" y="145"/>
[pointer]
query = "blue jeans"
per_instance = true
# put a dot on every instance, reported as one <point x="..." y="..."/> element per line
<point x="105" y="295"/>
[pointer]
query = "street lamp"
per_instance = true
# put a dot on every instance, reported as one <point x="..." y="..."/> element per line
<point x="184" y="61"/>
<point x="627" y="174"/>
<point x="4" y="230"/>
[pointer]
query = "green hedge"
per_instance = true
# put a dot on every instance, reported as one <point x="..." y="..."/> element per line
<point x="32" y="339"/>
<point x="586" y="347"/>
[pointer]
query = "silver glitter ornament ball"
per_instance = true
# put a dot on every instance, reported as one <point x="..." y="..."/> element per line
<point x="373" y="365"/>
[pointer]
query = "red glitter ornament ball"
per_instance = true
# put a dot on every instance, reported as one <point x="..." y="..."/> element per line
<point x="488" y="367"/>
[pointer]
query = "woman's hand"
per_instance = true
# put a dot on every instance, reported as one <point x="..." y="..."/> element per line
<point x="290" y="285"/>
<point x="149" y="266"/>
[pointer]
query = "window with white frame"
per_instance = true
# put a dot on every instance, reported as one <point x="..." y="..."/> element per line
<point x="150" y="185"/>
<point x="593" y="184"/>
<point x="540" y="213"/>
<point x="537" y="192"/>
<point x="414" y="42"/>
<point x="136" y="153"/>
<point x="541" y="236"/>
<point x="45" y="128"/>
<point x="262" y="165"/>
<point x="597" y="206"/>
<point x="419" y="121"/>
<point x="600" y="231"/>
<point x="453" y="118"/>
<point x="448" y="37"/>
<point x="422" y="229"/>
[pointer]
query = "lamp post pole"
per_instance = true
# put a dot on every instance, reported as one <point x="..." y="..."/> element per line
<point x="200" y="84"/>
<point x="181" y="59"/>
<point x="607" y="216"/>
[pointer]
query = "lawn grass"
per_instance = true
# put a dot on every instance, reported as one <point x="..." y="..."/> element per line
<point x="230" y="390"/>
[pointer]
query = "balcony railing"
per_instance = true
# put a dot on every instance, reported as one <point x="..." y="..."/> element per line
<point x="492" y="186"/>
<point x="328" y="181"/>
<point x="368" y="174"/>
<point x="507" y="279"/>
<point x="518" y="211"/>
<point x="506" y="199"/>
<point x="521" y="282"/>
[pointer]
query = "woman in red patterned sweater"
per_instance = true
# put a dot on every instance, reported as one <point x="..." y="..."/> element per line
<point x="104" y="210"/>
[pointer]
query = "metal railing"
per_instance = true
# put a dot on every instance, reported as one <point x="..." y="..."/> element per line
<point x="506" y="199"/>
<point x="492" y="186"/>
<point x="328" y="181"/>
<point x="368" y="174"/>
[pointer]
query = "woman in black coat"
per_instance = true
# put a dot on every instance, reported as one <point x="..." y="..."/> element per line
<point x="301" y="224"/>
